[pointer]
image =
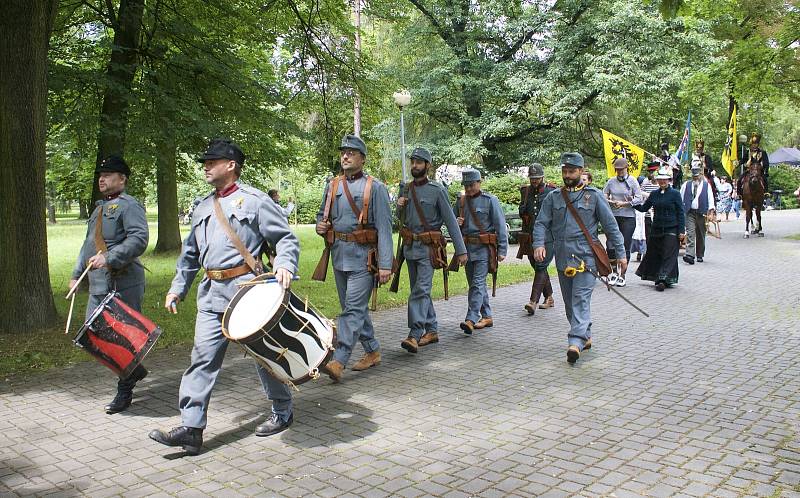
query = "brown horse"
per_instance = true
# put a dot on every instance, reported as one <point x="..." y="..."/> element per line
<point x="753" y="198"/>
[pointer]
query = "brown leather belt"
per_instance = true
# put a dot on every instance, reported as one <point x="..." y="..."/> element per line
<point x="476" y="239"/>
<point x="347" y="237"/>
<point x="366" y="236"/>
<point x="227" y="273"/>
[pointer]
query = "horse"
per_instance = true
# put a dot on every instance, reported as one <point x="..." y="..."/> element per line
<point x="753" y="199"/>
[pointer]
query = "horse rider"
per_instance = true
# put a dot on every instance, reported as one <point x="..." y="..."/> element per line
<point x="757" y="157"/>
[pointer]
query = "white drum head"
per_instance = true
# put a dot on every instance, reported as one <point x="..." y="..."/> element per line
<point x="255" y="306"/>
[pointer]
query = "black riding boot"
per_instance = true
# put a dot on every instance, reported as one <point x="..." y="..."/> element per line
<point x="125" y="391"/>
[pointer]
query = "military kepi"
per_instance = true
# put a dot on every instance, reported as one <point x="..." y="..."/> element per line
<point x="353" y="142"/>
<point x="571" y="160"/>
<point x="422" y="155"/>
<point x="470" y="176"/>
<point x="113" y="164"/>
<point x="221" y="148"/>
<point x="535" y="171"/>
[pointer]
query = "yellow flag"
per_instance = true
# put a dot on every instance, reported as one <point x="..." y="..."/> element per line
<point x="615" y="147"/>
<point x="730" y="155"/>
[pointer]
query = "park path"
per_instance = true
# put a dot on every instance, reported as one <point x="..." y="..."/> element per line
<point x="702" y="399"/>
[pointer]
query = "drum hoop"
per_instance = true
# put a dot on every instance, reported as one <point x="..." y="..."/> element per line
<point x="274" y="319"/>
<point x="95" y="313"/>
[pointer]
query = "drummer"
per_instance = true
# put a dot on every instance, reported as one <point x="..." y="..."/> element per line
<point x="112" y="249"/>
<point x="257" y="222"/>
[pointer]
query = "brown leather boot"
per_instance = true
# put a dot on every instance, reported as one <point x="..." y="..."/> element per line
<point x="428" y="338"/>
<point x="334" y="369"/>
<point x="467" y="326"/>
<point x="409" y="344"/>
<point x="369" y="360"/>
<point x="530" y="308"/>
<point x="549" y="302"/>
<point x="484" y="323"/>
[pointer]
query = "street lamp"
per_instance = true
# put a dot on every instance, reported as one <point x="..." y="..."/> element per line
<point x="402" y="99"/>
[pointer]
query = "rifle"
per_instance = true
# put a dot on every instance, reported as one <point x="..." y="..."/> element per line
<point x="321" y="271"/>
<point x="399" y="257"/>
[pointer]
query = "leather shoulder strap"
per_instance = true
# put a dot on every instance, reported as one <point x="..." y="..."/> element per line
<point x="99" y="240"/>
<point x="237" y="242"/>
<point x="333" y="188"/>
<point x="575" y="215"/>
<point x="474" y="215"/>
<point x="364" y="217"/>
<point x="418" y="208"/>
<point x="350" y="200"/>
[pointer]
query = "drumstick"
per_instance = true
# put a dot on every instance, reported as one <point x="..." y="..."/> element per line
<point x="78" y="283"/>
<point x="69" y="315"/>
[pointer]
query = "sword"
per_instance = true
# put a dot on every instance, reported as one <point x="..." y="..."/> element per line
<point x="609" y="287"/>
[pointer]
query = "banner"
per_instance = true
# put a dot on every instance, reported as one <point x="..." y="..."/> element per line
<point x="683" y="148"/>
<point x="615" y="147"/>
<point x="730" y="154"/>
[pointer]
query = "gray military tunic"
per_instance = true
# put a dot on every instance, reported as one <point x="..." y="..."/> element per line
<point x="568" y="239"/>
<point x="257" y="220"/>
<point x="491" y="216"/>
<point x="125" y="231"/>
<point x="435" y="207"/>
<point x="354" y="282"/>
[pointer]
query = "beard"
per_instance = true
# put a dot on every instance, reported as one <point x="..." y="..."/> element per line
<point x="417" y="174"/>
<point x="572" y="182"/>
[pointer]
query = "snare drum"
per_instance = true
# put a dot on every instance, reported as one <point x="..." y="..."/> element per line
<point x="291" y="339"/>
<point x="117" y="335"/>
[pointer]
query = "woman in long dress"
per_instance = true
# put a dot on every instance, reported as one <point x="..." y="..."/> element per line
<point x="725" y="204"/>
<point x="660" y="263"/>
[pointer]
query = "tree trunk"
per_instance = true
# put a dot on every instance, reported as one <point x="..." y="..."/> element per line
<point x="25" y="292"/>
<point x="120" y="72"/>
<point x="169" y="232"/>
<point x="83" y="210"/>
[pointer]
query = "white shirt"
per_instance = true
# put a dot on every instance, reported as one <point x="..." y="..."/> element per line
<point x="698" y="184"/>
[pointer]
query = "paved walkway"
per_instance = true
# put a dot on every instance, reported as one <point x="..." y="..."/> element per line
<point x="703" y="399"/>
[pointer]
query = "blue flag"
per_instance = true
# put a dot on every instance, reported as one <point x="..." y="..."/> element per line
<point x="683" y="148"/>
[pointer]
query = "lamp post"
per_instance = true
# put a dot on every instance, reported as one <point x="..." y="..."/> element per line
<point x="402" y="99"/>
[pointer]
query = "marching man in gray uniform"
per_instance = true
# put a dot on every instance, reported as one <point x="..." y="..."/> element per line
<point x="483" y="225"/>
<point x="256" y="221"/>
<point x="356" y="221"/>
<point x="112" y="249"/>
<point x="556" y="218"/>
<point x="427" y="208"/>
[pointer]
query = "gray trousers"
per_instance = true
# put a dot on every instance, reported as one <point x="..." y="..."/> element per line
<point x="354" y="288"/>
<point x="421" y="315"/>
<point x="478" y="296"/>
<point x="132" y="297"/>
<point x="198" y="380"/>
<point x="695" y="234"/>
<point x="577" y="295"/>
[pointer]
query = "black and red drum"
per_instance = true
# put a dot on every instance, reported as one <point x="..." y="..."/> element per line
<point x="117" y="335"/>
<point x="291" y="339"/>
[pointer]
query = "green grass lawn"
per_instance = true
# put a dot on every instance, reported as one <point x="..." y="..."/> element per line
<point x="26" y="351"/>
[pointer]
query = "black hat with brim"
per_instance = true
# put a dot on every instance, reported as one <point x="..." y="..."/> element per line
<point x="113" y="164"/>
<point x="222" y="149"/>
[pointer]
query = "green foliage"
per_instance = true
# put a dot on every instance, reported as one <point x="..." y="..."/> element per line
<point x="786" y="178"/>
